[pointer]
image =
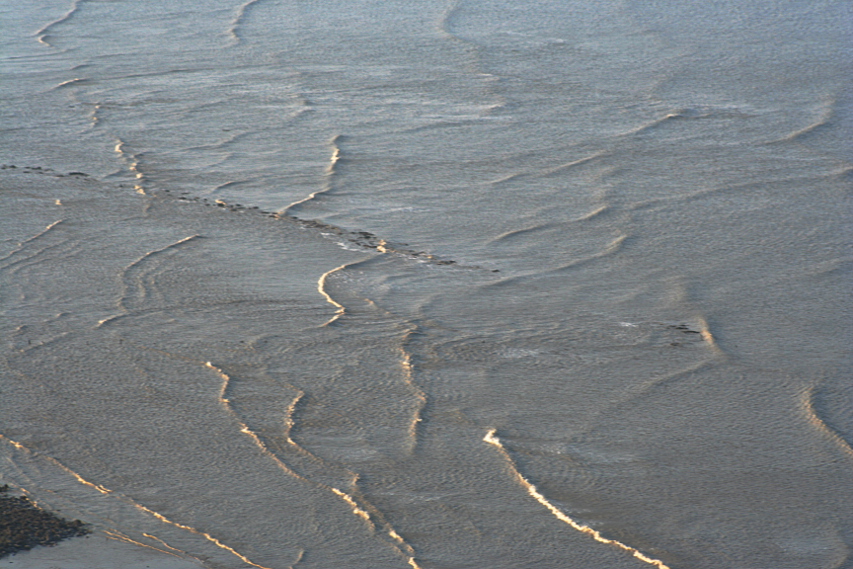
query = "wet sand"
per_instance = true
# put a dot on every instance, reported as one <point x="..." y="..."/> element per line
<point x="97" y="551"/>
<point x="140" y="406"/>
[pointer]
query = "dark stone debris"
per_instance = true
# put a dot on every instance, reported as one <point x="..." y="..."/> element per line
<point x="683" y="328"/>
<point x="364" y="239"/>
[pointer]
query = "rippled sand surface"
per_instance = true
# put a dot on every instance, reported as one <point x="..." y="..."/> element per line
<point x="468" y="285"/>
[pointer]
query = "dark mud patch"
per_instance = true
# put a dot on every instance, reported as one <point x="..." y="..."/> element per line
<point x="23" y="525"/>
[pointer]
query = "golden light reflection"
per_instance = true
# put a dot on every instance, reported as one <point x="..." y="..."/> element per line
<point x="321" y="288"/>
<point x="493" y="439"/>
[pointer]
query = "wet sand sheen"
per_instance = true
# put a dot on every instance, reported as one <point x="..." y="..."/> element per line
<point x="185" y="384"/>
<point x="184" y="359"/>
<point x="148" y="376"/>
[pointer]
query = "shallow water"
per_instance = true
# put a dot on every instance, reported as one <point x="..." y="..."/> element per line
<point x="454" y="285"/>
